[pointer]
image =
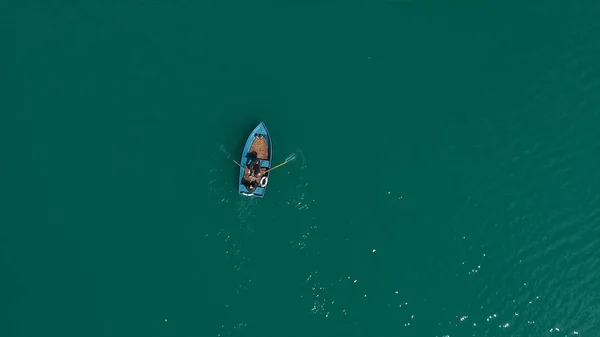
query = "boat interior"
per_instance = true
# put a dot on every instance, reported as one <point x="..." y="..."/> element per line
<point x="260" y="147"/>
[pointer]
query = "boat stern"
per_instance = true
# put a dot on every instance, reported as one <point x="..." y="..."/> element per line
<point x="259" y="192"/>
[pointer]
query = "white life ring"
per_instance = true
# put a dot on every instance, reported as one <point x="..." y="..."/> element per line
<point x="263" y="181"/>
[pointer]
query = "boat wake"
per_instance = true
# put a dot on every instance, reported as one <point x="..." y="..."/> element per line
<point x="245" y="213"/>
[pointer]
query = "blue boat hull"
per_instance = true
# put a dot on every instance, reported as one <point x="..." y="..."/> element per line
<point x="256" y="162"/>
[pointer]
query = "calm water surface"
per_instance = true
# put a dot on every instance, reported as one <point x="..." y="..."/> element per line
<point x="445" y="181"/>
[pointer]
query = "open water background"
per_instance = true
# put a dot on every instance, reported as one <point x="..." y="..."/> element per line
<point x="445" y="183"/>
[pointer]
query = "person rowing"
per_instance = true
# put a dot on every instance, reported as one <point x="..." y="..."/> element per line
<point x="255" y="170"/>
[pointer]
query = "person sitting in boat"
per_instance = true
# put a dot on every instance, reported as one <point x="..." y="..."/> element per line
<point x="256" y="167"/>
<point x="252" y="186"/>
<point x="249" y="182"/>
<point x="252" y="155"/>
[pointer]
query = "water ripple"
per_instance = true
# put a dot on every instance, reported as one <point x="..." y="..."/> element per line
<point x="537" y="200"/>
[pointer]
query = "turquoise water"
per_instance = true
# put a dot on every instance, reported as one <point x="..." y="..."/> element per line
<point x="445" y="180"/>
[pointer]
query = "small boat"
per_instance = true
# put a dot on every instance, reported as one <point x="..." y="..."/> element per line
<point x="256" y="162"/>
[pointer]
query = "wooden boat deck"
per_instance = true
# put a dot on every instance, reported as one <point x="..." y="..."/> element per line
<point x="260" y="146"/>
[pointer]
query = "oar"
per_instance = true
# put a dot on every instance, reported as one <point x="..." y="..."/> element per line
<point x="229" y="157"/>
<point x="280" y="165"/>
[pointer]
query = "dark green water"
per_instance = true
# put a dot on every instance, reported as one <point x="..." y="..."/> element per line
<point x="446" y="180"/>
